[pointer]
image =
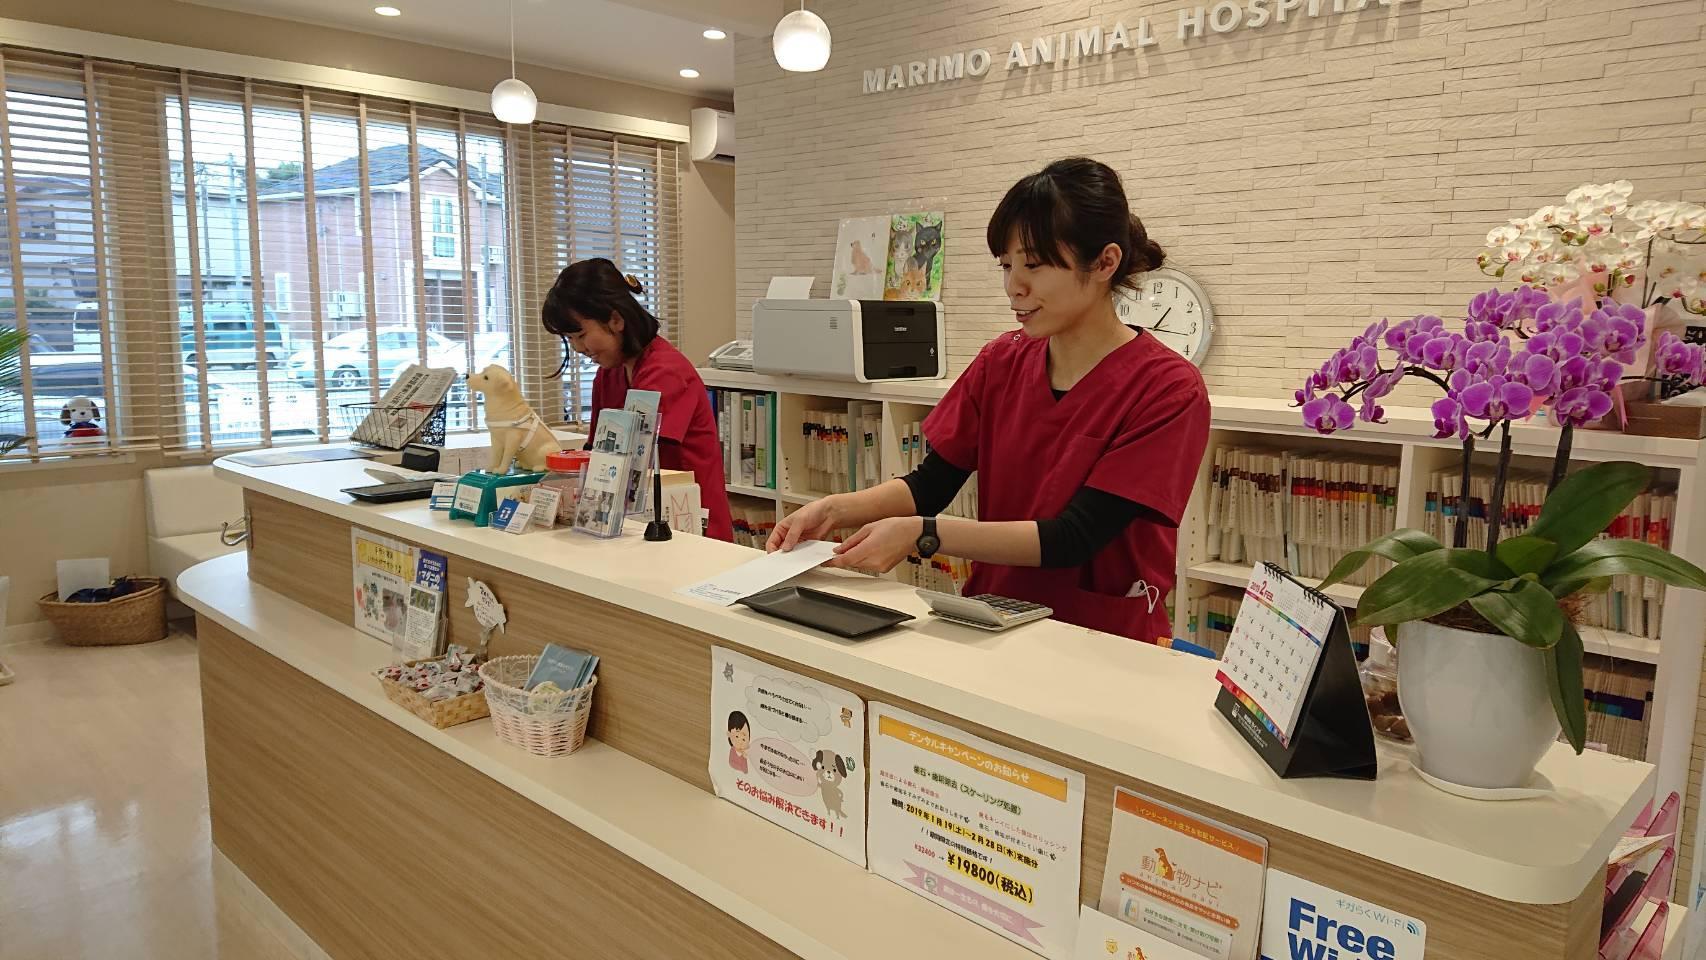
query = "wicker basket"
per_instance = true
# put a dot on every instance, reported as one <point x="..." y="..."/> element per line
<point x="138" y="618"/>
<point x="543" y="724"/>
<point x="439" y="713"/>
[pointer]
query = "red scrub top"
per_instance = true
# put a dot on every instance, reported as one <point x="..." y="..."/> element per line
<point x="1134" y="427"/>
<point x="686" y="418"/>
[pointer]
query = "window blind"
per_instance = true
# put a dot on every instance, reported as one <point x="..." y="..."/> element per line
<point x="221" y="263"/>
<point x="593" y="194"/>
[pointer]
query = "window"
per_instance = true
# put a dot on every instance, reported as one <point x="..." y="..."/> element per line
<point x="443" y="228"/>
<point x="602" y="196"/>
<point x="258" y="256"/>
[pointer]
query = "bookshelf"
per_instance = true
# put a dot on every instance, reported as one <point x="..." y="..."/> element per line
<point x="1403" y="440"/>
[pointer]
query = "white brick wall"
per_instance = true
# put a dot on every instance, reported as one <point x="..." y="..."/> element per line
<point x="1312" y="175"/>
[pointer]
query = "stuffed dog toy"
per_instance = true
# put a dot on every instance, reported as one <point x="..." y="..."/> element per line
<point x="517" y="432"/>
<point x="79" y="415"/>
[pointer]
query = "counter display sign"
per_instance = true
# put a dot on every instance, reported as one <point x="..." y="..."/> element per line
<point x="789" y="749"/>
<point x="987" y="832"/>
<point x="1188" y="880"/>
<point x="1306" y="921"/>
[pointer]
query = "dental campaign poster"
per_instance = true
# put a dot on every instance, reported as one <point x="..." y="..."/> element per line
<point x="990" y="833"/>
<point x="789" y="749"/>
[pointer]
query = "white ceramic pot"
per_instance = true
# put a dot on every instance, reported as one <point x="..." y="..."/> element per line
<point x="1476" y="704"/>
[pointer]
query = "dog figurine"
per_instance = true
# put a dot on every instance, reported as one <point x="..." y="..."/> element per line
<point x="831" y="770"/>
<point x="518" y="433"/>
<point x="79" y="415"/>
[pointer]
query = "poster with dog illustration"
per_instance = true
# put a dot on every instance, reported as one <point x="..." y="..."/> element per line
<point x="789" y="749"/>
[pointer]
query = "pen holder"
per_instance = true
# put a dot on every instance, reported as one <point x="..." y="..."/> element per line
<point x="551" y="724"/>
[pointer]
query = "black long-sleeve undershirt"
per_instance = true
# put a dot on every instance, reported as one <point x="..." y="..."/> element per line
<point x="1090" y="521"/>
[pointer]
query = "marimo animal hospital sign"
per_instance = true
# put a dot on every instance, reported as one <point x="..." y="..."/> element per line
<point x="1089" y="43"/>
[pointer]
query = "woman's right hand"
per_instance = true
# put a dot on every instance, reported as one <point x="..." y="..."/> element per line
<point x="814" y="521"/>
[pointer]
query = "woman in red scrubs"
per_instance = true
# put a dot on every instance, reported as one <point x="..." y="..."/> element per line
<point x="593" y="308"/>
<point x="1085" y="434"/>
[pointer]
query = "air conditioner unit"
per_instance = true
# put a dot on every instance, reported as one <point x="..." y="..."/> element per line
<point x="713" y="133"/>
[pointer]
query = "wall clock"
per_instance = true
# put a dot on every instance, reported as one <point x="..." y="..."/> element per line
<point x="1171" y="306"/>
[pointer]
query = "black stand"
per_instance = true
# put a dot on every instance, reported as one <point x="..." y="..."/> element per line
<point x="657" y="531"/>
<point x="1334" y="737"/>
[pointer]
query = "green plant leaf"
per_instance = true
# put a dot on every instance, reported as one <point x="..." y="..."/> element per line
<point x="1397" y="546"/>
<point x="11" y="441"/>
<point x="1564" y="686"/>
<point x="1586" y="503"/>
<point x="1607" y="558"/>
<point x="1526" y="554"/>
<point x="1528" y="613"/>
<point x="1564" y="588"/>
<point x="1431" y="583"/>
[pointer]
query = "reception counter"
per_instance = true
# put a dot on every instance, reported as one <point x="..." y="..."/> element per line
<point x="381" y="836"/>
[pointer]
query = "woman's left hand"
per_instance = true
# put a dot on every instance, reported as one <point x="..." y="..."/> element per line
<point x="879" y="547"/>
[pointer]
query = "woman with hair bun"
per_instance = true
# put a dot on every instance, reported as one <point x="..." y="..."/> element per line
<point x="1085" y="434"/>
<point x="593" y="308"/>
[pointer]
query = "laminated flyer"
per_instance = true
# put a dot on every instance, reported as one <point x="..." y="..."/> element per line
<point x="1191" y="881"/>
<point x="789" y="749"/>
<point x="383" y="568"/>
<point x="987" y="832"/>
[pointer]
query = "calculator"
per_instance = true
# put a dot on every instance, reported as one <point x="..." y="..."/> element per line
<point x="985" y="611"/>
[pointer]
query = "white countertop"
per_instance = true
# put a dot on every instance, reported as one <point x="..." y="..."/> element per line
<point x="1127" y="706"/>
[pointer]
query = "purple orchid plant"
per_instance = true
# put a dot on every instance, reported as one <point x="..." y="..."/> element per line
<point x="1516" y="354"/>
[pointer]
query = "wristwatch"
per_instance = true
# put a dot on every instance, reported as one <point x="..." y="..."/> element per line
<point x="928" y="542"/>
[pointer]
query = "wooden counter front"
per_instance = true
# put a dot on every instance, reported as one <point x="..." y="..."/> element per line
<point x="653" y="703"/>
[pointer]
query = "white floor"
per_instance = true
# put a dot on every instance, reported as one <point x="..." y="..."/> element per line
<point x="104" y="842"/>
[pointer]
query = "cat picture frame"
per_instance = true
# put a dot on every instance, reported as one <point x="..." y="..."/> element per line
<point x="915" y="256"/>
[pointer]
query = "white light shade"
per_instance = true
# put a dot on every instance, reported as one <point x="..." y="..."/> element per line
<point x="689" y="73"/>
<point x="715" y="34"/>
<point x="801" y="42"/>
<point x="514" y="102"/>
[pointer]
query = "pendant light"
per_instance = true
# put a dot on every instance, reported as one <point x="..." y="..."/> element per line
<point x="801" y="41"/>
<point x="512" y="100"/>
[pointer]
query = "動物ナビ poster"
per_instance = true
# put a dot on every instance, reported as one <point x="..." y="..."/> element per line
<point x="789" y="749"/>
<point x="987" y="832"/>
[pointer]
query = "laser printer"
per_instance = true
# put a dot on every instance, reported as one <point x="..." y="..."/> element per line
<point x="860" y="340"/>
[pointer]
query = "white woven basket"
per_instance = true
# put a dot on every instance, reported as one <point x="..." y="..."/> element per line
<point x="544" y="724"/>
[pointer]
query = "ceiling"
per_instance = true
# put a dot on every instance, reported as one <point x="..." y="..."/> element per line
<point x="646" y="41"/>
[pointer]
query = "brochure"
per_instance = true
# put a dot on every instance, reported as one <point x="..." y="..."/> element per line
<point x="615" y="431"/>
<point x="383" y="568"/>
<point x="423" y="627"/>
<point x="643" y="404"/>
<point x="1101" y="937"/>
<point x="1191" y="881"/>
<point x="789" y="749"/>
<point x="568" y="669"/>
<point x="599" y="511"/>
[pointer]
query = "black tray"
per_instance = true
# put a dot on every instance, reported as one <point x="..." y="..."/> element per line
<point x="393" y="492"/>
<point x="825" y="611"/>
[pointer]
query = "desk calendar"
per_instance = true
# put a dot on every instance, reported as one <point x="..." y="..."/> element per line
<point x="1289" y="681"/>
